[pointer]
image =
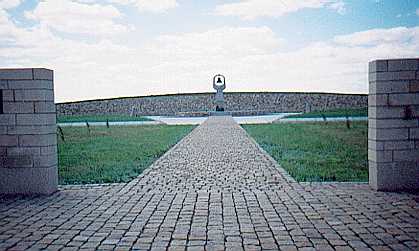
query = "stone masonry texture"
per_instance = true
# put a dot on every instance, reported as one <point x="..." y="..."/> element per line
<point x="214" y="190"/>
<point x="27" y="127"/>
<point x="393" y="106"/>
<point x="202" y="103"/>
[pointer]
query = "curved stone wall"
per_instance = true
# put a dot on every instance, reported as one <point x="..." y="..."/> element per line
<point x="241" y="103"/>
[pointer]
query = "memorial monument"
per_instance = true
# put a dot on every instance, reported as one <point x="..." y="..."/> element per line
<point x="219" y="85"/>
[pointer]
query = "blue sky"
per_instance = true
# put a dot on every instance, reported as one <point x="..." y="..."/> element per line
<point x="114" y="48"/>
<point x="299" y="28"/>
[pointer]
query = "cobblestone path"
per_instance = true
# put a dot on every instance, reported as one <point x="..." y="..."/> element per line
<point x="215" y="190"/>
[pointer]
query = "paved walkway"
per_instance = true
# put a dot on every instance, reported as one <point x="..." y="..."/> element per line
<point x="259" y="119"/>
<point x="215" y="190"/>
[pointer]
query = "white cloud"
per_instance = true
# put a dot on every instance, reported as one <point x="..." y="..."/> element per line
<point x="339" y="6"/>
<point x="398" y="36"/>
<point x="78" y="18"/>
<point x="155" y="6"/>
<point x="9" y="4"/>
<point x="252" y="58"/>
<point x="225" y="41"/>
<point x="5" y="5"/>
<point x="251" y="9"/>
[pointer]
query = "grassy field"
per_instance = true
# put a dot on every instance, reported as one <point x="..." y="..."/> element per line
<point x="317" y="151"/>
<point x="116" y="154"/>
<point x="99" y="118"/>
<point x="358" y="112"/>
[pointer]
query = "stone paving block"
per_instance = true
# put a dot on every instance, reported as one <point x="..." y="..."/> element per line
<point x="28" y="129"/>
<point x="32" y="180"/>
<point x="414" y="112"/>
<point x="16" y="74"/>
<point x="21" y="161"/>
<point x="388" y="134"/>
<point x="376" y="145"/>
<point x="18" y="107"/>
<point x="3" y="151"/>
<point x="30" y="84"/>
<point x="46" y="150"/>
<point x="392" y="123"/>
<point x="34" y="95"/>
<point x="11" y="151"/>
<point x="43" y="161"/>
<point x="406" y="155"/>
<point x="398" y="145"/>
<point x="3" y="84"/>
<point x="44" y="107"/>
<point x="414" y="86"/>
<point x="41" y="73"/>
<point x="377" y="66"/>
<point x="35" y="119"/>
<point x="37" y="140"/>
<point x="414" y="133"/>
<point x="8" y="140"/>
<point x="391" y="76"/>
<point x="378" y="100"/>
<point x="386" y="87"/>
<point x="380" y="112"/>
<point x="7" y="119"/>
<point x="393" y="176"/>
<point x="404" y="99"/>
<point x="8" y="95"/>
<point x="403" y="65"/>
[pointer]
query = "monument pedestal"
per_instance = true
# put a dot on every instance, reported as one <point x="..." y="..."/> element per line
<point x="393" y="129"/>
<point x="219" y="86"/>
<point x="224" y="113"/>
<point x="28" y="132"/>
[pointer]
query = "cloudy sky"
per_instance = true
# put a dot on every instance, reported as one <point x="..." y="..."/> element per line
<point x="110" y="48"/>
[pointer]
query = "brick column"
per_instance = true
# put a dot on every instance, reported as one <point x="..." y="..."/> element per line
<point x="28" y="141"/>
<point x="393" y="124"/>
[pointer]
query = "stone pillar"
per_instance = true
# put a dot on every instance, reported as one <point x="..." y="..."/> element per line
<point x="28" y="140"/>
<point x="393" y="124"/>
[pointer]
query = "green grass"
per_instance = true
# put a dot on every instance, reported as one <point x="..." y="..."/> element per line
<point x="317" y="151"/>
<point x="98" y="118"/>
<point x="356" y="112"/>
<point x="116" y="154"/>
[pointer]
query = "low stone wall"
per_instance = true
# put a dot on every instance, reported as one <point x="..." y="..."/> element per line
<point x="243" y="103"/>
